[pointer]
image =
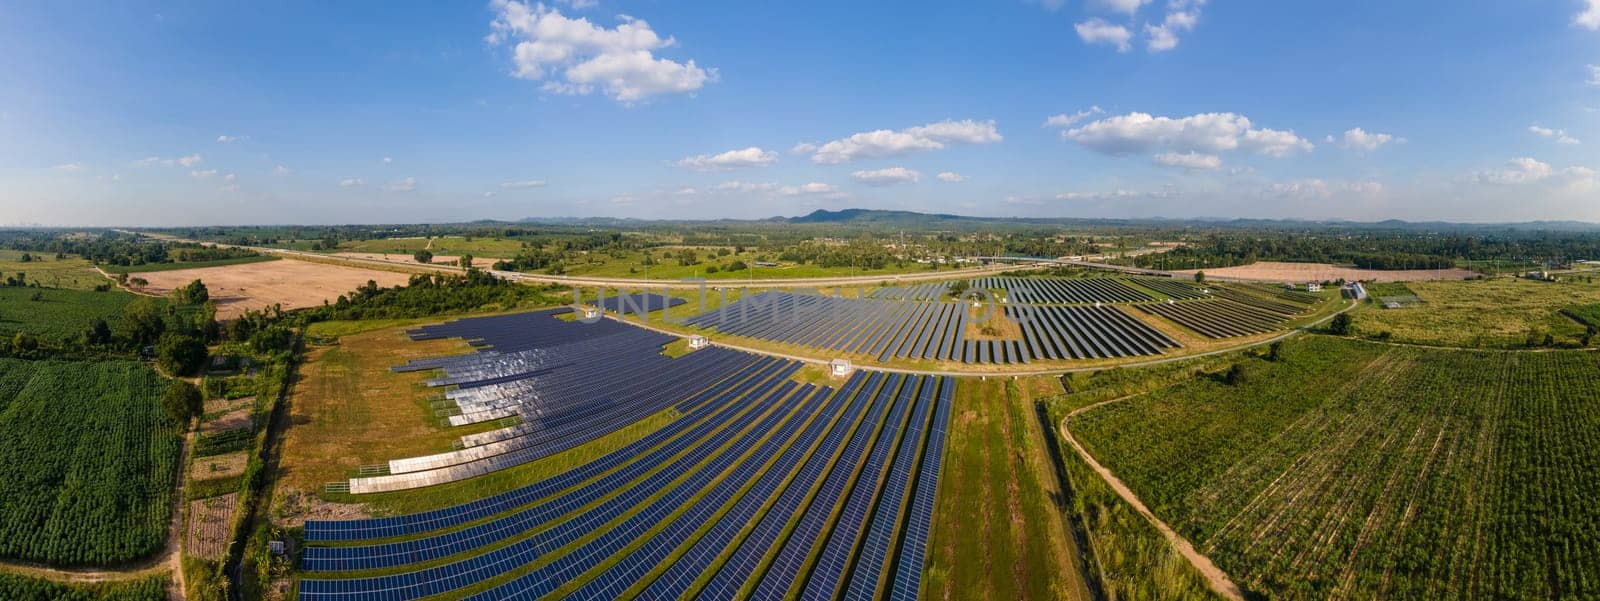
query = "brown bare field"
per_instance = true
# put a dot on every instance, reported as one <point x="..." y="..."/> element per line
<point x="1273" y="271"/>
<point x="292" y="284"/>
<point x="216" y="467"/>
<point x="233" y="420"/>
<point x="479" y="262"/>
<point x="208" y="526"/>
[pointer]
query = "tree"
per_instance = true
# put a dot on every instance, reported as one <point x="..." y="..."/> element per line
<point x="180" y="354"/>
<point x="1340" y="326"/>
<point x="737" y="266"/>
<point x="27" y="258"/>
<point x="182" y="401"/>
<point x="958" y="288"/>
<point x="465" y="261"/>
<point x="99" y="332"/>
<point x="1275" y="351"/>
<point x="1199" y="277"/>
<point x="142" y="321"/>
<point x="423" y="256"/>
<point x="193" y="294"/>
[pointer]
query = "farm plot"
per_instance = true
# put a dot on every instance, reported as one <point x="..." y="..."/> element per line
<point x="87" y="459"/>
<point x="209" y="522"/>
<point x="889" y="330"/>
<point x="288" y="283"/>
<point x="760" y="478"/>
<point x="58" y="314"/>
<point x="1359" y="471"/>
<point x="1063" y="290"/>
<point x="1218" y="318"/>
<point x="20" y="588"/>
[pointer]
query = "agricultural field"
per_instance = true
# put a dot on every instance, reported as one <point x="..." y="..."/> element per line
<point x="1492" y="313"/>
<point x="181" y="265"/>
<point x="87" y="462"/>
<point x="291" y="284"/>
<point x="438" y="245"/>
<point x="22" y="588"/>
<point x="1349" y="469"/>
<point x="70" y="272"/>
<point x="1001" y="529"/>
<point x="58" y="314"/>
<point x="631" y="264"/>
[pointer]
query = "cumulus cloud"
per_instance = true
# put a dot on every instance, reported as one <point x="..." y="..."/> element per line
<point x="1190" y="160"/>
<point x="732" y="159"/>
<point x="1594" y="75"/>
<point x="1589" y="18"/>
<point x="951" y="177"/>
<point x="189" y="161"/>
<point x="388" y="160"/>
<point x="1520" y="170"/>
<point x="225" y="139"/>
<point x="1100" y="31"/>
<point x="281" y="171"/>
<point x="405" y="185"/>
<point x="1071" y="119"/>
<point x="808" y="189"/>
<point x="1207" y="133"/>
<point x="887" y="143"/>
<point x="1118" y="194"/>
<point x="1182" y="15"/>
<point x="230" y="183"/>
<point x="527" y="183"/>
<point x="1559" y="135"/>
<point x="888" y="176"/>
<point x="206" y="174"/>
<point x="1126" y="7"/>
<point x="803" y="148"/>
<point x="575" y="56"/>
<point x="581" y="4"/>
<point x="744" y="187"/>
<point x="1318" y="189"/>
<point x="350" y="182"/>
<point x="1362" y="140"/>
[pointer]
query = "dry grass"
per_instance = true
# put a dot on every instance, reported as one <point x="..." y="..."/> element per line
<point x="1494" y="313"/>
<point x="209" y="522"/>
<point x="215" y="467"/>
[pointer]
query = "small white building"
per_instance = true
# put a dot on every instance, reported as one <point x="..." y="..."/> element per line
<point x="698" y="342"/>
<point x="840" y="367"/>
<point x="1313" y="287"/>
<point x="591" y="312"/>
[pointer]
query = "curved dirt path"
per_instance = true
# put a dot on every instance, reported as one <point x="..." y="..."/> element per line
<point x="170" y="559"/>
<point x="1214" y="576"/>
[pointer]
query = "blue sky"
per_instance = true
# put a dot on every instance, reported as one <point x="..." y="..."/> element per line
<point x="141" y="113"/>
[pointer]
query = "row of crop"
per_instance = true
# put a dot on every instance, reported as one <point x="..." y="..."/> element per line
<point x="22" y="588"/>
<point x="87" y="465"/>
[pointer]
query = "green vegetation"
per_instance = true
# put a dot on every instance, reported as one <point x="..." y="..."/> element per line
<point x="432" y="294"/>
<point x="22" y="588"/>
<point x="50" y="271"/>
<point x="1357" y="470"/>
<point x="58" y="314"/>
<point x="1491" y="313"/>
<point x="174" y="266"/>
<point x="87" y="455"/>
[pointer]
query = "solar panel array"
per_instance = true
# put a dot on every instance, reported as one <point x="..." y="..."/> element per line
<point x="637" y="303"/>
<point x="1218" y="317"/>
<point x="919" y="292"/>
<point x="886" y="330"/>
<point x="725" y="479"/>
<point x="1063" y="290"/>
<point x="1174" y="288"/>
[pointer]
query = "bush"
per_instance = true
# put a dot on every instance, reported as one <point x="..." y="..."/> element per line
<point x="1340" y="326"/>
<point x="423" y="256"/>
<point x="180" y="354"/>
<point x="182" y="401"/>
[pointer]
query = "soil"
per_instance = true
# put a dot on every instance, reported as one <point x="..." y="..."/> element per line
<point x="208" y="526"/>
<point x="292" y="284"/>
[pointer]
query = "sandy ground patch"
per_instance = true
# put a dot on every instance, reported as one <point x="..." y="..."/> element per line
<point x="479" y="262"/>
<point x="230" y="465"/>
<point x="227" y="422"/>
<point x="208" y="526"/>
<point x="293" y="284"/>
<point x="1273" y="271"/>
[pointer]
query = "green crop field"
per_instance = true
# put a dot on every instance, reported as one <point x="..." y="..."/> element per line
<point x="177" y="266"/>
<point x="1357" y="470"/>
<point x="50" y="272"/>
<point x="87" y="457"/>
<point x="442" y="245"/>
<point x="22" y="588"/>
<point x="1494" y="313"/>
<point x="57" y="314"/>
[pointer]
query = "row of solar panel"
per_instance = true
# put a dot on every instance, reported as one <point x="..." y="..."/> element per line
<point x="918" y="292"/>
<point x="1063" y="290"/>
<point x="795" y="412"/>
<point x="1218" y="318"/>
<point x="636" y="304"/>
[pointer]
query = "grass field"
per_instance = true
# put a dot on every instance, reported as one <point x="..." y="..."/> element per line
<point x="442" y="245"/>
<point x="1493" y="313"/>
<point x="58" y="314"/>
<point x="175" y="266"/>
<point x="48" y="271"/>
<point x="630" y="264"/>
<point x="87" y="458"/>
<point x="1359" y="470"/>
<point x="1000" y="529"/>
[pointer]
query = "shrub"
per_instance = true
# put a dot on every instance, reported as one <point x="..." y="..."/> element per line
<point x="180" y="354"/>
<point x="182" y="401"/>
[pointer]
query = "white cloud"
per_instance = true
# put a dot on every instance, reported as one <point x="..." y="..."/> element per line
<point x="574" y="56"/>
<point x="405" y="185"/>
<point x="281" y="171"/>
<point x="1594" y="75"/>
<point x="886" y="143"/>
<point x="69" y="167"/>
<point x="1100" y="31"/>
<point x="803" y="148"/>
<point x="1182" y="15"/>
<point x="388" y="160"/>
<point x="1190" y="160"/>
<point x="1559" y="135"/>
<point x="1590" y="17"/>
<point x="1118" y="194"/>
<point x="951" y="177"/>
<point x="206" y="174"/>
<point x="1070" y="119"/>
<point x="1360" y="139"/>
<point x="225" y="139"/>
<point x="732" y="159"/>
<point x="350" y="182"/>
<point x="887" y="176"/>
<point x="744" y="187"/>
<point x="190" y="161"/>
<point x="1127" y="7"/>
<point x="581" y="4"/>
<point x="808" y="189"/>
<point x="527" y="183"/>
<point x="230" y="183"/>
<point x="1517" y="171"/>
<point x="1208" y="133"/>
<point x="1317" y="189"/>
<point x="150" y="162"/>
